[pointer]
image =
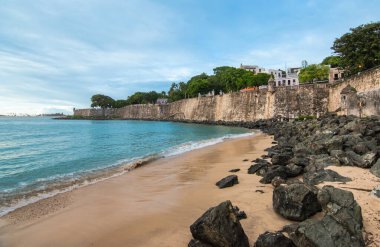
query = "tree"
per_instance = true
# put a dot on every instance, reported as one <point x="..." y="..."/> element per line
<point x="359" y="49"/>
<point x="260" y="79"/>
<point x="314" y="72"/>
<point x="120" y="103"/>
<point x="333" y="61"/>
<point x="177" y="91"/>
<point x="198" y="84"/>
<point x="102" y="101"/>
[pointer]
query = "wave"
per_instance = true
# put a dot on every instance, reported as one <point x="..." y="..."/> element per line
<point x="49" y="187"/>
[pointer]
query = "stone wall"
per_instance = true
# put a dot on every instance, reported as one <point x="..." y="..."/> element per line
<point x="365" y="83"/>
<point x="289" y="102"/>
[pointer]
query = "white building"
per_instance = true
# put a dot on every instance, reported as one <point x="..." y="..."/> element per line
<point x="282" y="78"/>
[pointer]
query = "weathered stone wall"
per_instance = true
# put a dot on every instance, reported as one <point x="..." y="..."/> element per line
<point x="364" y="83"/>
<point x="310" y="99"/>
<point x="290" y="102"/>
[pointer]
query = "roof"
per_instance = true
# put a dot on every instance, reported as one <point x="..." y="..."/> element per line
<point x="348" y="90"/>
<point x="248" y="89"/>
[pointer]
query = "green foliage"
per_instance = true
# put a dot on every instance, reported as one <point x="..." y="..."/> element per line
<point x="314" y="71"/>
<point x="177" y="91"/>
<point x="305" y="117"/>
<point x="198" y="84"/>
<point x="144" y="98"/>
<point x="103" y="101"/>
<point x="333" y="61"/>
<point x="260" y="79"/>
<point x="359" y="49"/>
<point x="120" y="103"/>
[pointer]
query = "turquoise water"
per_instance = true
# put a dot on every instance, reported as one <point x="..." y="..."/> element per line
<point x="40" y="157"/>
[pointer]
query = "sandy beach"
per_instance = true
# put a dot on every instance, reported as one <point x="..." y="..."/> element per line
<point x="155" y="204"/>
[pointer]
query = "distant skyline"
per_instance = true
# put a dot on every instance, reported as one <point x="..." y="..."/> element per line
<point x="55" y="54"/>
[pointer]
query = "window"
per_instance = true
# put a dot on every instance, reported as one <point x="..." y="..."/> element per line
<point x="288" y="82"/>
<point x="259" y="70"/>
<point x="335" y="76"/>
<point x="294" y="80"/>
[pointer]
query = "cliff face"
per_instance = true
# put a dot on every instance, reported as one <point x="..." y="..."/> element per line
<point x="289" y="102"/>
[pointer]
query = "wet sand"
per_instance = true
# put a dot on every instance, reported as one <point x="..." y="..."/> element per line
<point x="150" y="206"/>
<point x="155" y="204"/>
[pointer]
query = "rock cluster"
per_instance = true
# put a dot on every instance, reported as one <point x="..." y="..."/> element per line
<point x="302" y="149"/>
<point x="309" y="147"/>
<point x="219" y="227"/>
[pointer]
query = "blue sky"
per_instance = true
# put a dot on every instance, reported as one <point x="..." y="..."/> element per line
<point x="55" y="54"/>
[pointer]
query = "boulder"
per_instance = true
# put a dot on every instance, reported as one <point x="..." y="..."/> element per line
<point x="257" y="167"/>
<point x="375" y="169"/>
<point x="197" y="243"/>
<point x="324" y="233"/>
<point x="296" y="201"/>
<point x="341" y="205"/>
<point x="228" y="181"/>
<point x="220" y="227"/>
<point x="314" y="178"/>
<point x="277" y="181"/>
<point x="321" y="161"/>
<point x="294" y="170"/>
<point x="273" y="239"/>
<point x="281" y="159"/>
<point x="376" y="191"/>
<point x="274" y="171"/>
<point x="364" y="161"/>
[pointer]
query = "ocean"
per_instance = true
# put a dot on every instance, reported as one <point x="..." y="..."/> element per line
<point x="41" y="157"/>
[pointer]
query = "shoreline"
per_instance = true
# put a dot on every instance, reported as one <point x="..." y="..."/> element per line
<point x="67" y="184"/>
<point x="176" y="176"/>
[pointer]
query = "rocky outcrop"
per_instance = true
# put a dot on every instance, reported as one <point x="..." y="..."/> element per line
<point x="341" y="225"/>
<point x="296" y="201"/>
<point x="228" y="181"/>
<point x="320" y="176"/>
<point x="375" y="169"/>
<point x="219" y="227"/>
<point x="273" y="239"/>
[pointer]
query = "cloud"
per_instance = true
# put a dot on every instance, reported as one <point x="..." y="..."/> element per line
<point x="56" y="54"/>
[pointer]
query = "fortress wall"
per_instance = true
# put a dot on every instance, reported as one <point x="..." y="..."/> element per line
<point x="364" y="83"/>
<point x="288" y="102"/>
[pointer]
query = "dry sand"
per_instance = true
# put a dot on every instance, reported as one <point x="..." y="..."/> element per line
<point x="155" y="204"/>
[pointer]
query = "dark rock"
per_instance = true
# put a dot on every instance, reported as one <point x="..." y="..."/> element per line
<point x="341" y="205"/>
<point x="197" y="243"/>
<point x="261" y="191"/>
<point x="228" y="181"/>
<point x="321" y="161"/>
<point x="341" y="156"/>
<point x="234" y="170"/>
<point x="274" y="171"/>
<point x="273" y="239"/>
<point x="360" y="148"/>
<point x="281" y="159"/>
<point x="220" y="227"/>
<point x="363" y="161"/>
<point x="324" y="233"/>
<point x="257" y="167"/>
<point x="245" y="160"/>
<point x="277" y="181"/>
<point x="376" y="191"/>
<point x="294" y="170"/>
<point x="375" y="169"/>
<point x="320" y="176"/>
<point x="295" y="201"/>
<point x="241" y="215"/>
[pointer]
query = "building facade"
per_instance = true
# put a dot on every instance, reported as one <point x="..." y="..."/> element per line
<point x="281" y="77"/>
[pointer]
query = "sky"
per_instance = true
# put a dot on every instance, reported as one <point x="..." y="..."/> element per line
<point x="56" y="54"/>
